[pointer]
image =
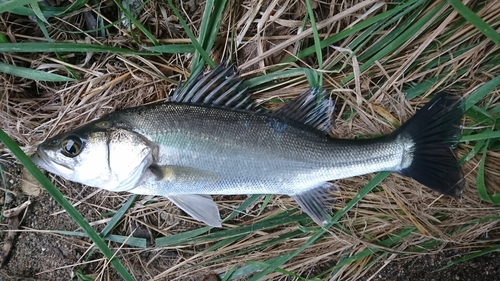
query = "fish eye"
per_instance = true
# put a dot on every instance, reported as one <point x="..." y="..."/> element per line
<point x="71" y="146"/>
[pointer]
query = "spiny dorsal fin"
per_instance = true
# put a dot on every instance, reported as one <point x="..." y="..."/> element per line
<point x="219" y="87"/>
<point x="312" y="108"/>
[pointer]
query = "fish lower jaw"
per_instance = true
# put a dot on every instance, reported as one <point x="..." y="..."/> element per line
<point x="52" y="167"/>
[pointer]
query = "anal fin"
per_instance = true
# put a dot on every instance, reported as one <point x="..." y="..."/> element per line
<point x="317" y="202"/>
<point x="200" y="207"/>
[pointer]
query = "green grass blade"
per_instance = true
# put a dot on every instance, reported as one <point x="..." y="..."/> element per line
<point x="39" y="47"/>
<point x="310" y="74"/>
<point x="281" y="239"/>
<point x="317" y="43"/>
<point x="19" y="8"/>
<point x="45" y="32"/>
<point x="211" y="20"/>
<point x="397" y="42"/>
<point x="202" y="36"/>
<point x="387" y="243"/>
<point x="253" y="267"/>
<point x="424" y="86"/>
<point x="486" y="135"/>
<point x="136" y="23"/>
<point x="474" y="222"/>
<point x="2" y="175"/>
<point x="228" y="274"/>
<point x="224" y="242"/>
<point x="250" y="200"/>
<point x="247" y="270"/>
<point x="266" y="201"/>
<point x="82" y="277"/>
<point x="193" y="238"/>
<point x="9" y="5"/>
<point x="39" y="15"/>
<point x="33" y="74"/>
<point x="480" y="183"/>
<point x="476" y="21"/>
<point x="173" y="49"/>
<point x="480" y="115"/>
<point x="478" y="147"/>
<point x="472" y="256"/>
<point x="481" y="92"/>
<point x="395" y="12"/>
<point x="118" y="216"/>
<point x="194" y="40"/>
<point x="410" y="14"/>
<point x="291" y="275"/>
<point x="57" y="195"/>
<point x="131" y="241"/>
<point x="181" y="237"/>
<point x="41" y="23"/>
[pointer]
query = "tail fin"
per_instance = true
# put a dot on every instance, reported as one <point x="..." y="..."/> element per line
<point x="434" y="130"/>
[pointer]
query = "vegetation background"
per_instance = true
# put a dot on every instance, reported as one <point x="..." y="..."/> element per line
<point x="64" y="63"/>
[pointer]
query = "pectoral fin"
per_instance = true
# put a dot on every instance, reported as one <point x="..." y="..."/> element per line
<point x="183" y="174"/>
<point x="317" y="202"/>
<point x="200" y="207"/>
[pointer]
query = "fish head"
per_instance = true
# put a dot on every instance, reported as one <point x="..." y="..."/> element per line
<point x="98" y="154"/>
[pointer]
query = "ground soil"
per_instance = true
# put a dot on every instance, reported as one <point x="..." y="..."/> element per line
<point x="427" y="267"/>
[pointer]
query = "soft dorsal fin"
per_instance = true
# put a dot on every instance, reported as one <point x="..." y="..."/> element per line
<point x="219" y="87"/>
<point x="311" y="108"/>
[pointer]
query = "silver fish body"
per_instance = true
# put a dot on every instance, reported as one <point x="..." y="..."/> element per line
<point x="186" y="151"/>
<point x="245" y="153"/>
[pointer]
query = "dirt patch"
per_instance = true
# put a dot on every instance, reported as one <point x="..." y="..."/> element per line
<point x="37" y="253"/>
<point x="427" y="267"/>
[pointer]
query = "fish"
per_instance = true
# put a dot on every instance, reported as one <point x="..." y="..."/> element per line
<point x="211" y="138"/>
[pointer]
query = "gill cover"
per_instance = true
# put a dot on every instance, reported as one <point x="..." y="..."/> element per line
<point x="99" y="154"/>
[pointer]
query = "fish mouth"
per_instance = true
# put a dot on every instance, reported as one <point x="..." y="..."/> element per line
<point x="41" y="159"/>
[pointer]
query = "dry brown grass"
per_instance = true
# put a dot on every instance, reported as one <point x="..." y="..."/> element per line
<point x="265" y="33"/>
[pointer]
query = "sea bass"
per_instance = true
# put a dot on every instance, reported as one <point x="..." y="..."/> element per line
<point x="209" y="138"/>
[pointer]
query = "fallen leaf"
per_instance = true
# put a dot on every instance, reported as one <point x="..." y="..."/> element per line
<point x="29" y="185"/>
